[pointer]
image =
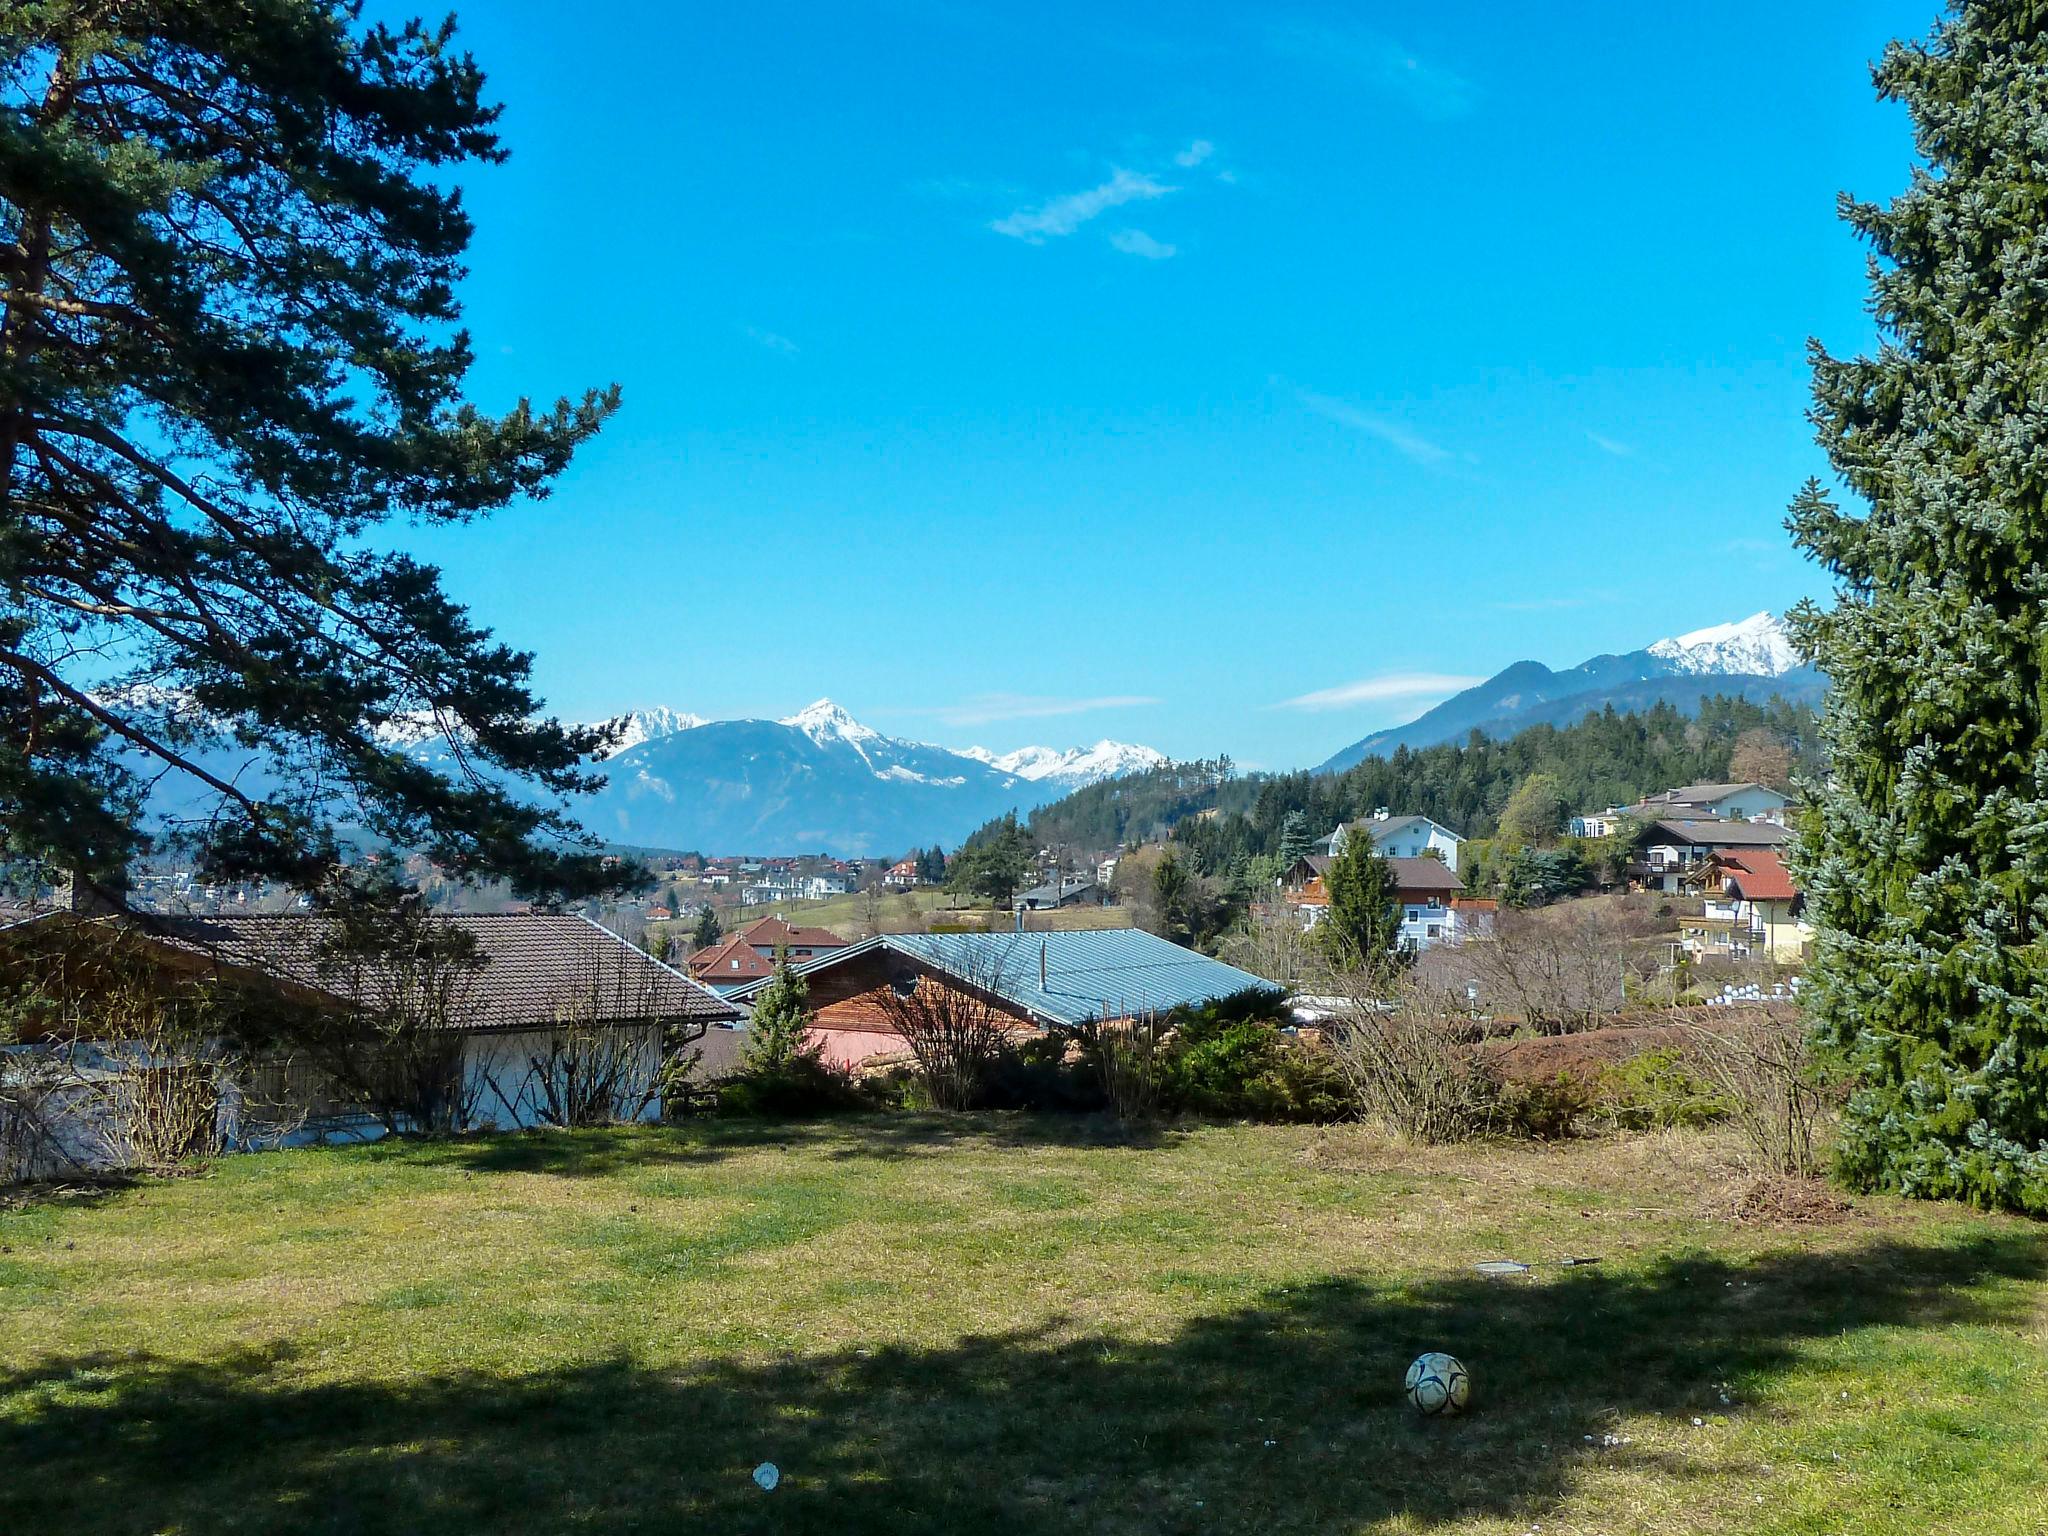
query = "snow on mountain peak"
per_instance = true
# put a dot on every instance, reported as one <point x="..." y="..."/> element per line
<point x="645" y="725"/>
<point x="1074" y="767"/>
<point x="825" y="721"/>
<point x="1756" y="646"/>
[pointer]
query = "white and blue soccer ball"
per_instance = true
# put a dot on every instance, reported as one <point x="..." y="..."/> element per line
<point x="1439" y="1384"/>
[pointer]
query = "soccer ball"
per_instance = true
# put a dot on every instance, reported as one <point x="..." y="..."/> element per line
<point x="1439" y="1384"/>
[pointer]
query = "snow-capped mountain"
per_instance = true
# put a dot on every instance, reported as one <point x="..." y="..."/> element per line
<point x="1753" y="647"/>
<point x="1752" y="658"/>
<point x="818" y="781"/>
<point x="645" y="725"/>
<point x="821" y="781"/>
<point x="1075" y="768"/>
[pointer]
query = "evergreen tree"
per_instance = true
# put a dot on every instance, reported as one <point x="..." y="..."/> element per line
<point x="994" y="864"/>
<point x="230" y="237"/>
<point x="1295" y="839"/>
<point x="708" y="930"/>
<point x="778" y="1031"/>
<point x="1926" y="859"/>
<point x="1362" y="931"/>
<point x="1172" y="890"/>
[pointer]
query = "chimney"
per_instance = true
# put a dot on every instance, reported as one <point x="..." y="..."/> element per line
<point x="1379" y="813"/>
<point x="85" y="896"/>
<point x="1041" y="965"/>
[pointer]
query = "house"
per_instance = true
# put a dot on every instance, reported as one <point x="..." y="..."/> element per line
<point x="1037" y="981"/>
<point x="820" y="887"/>
<point x="549" y="994"/>
<point x="1751" y="907"/>
<point x="1599" y="823"/>
<point x="728" y="965"/>
<point x="771" y="934"/>
<point x="1729" y="802"/>
<point x="1070" y="891"/>
<point x="903" y="876"/>
<point x="1670" y="848"/>
<point x="1428" y="893"/>
<point x="1400" y="837"/>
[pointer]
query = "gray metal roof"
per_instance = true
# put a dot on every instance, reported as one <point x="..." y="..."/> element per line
<point x="1108" y="974"/>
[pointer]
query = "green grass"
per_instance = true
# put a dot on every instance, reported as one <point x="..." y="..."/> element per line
<point x="916" y="911"/>
<point x="1005" y="1325"/>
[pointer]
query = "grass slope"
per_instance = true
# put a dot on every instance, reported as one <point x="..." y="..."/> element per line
<point x="1004" y="1325"/>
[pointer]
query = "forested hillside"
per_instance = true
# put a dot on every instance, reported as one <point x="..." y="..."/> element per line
<point x="1606" y="759"/>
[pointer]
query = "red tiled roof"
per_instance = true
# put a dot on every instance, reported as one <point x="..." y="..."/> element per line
<point x="1757" y="874"/>
<point x="733" y="960"/>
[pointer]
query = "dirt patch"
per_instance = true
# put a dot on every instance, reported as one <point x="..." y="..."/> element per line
<point x="1774" y="1200"/>
<point x="1580" y="1056"/>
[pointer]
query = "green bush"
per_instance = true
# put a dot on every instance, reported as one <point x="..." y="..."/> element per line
<point x="800" y="1087"/>
<point x="1656" y="1091"/>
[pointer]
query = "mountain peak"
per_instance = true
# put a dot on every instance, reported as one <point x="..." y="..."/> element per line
<point x="825" y="721"/>
<point x="1756" y="646"/>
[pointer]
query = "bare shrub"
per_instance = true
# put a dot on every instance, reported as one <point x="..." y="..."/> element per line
<point x="953" y="1029"/>
<point x="397" y="1051"/>
<point x="129" y="1060"/>
<point x="1132" y="1062"/>
<point x="1409" y="1061"/>
<point x="1758" y="1059"/>
<point x="1565" y="967"/>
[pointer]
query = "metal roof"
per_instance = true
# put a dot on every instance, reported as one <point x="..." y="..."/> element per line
<point x="1106" y="974"/>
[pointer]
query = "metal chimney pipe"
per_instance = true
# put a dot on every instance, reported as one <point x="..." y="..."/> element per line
<point x="1041" y="964"/>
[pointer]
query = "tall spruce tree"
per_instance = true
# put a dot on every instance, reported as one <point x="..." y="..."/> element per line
<point x="1926" y="857"/>
<point x="1362" y="931"/>
<point x="229" y="353"/>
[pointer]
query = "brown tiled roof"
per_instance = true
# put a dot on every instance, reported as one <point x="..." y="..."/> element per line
<point x="538" y="968"/>
<point x="773" y="930"/>
<point x="1425" y="877"/>
<point x="733" y="960"/>
<point x="1709" y="832"/>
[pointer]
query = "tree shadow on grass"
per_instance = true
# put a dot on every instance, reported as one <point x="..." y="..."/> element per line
<point x="842" y="1138"/>
<point x="1281" y="1417"/>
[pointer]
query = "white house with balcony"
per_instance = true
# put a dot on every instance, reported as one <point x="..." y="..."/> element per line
<point x="1400" y="837"/>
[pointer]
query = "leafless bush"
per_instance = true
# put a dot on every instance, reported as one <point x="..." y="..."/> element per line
<point x="397" y="1051"/>
<point x="1560" y="968"/>
<point x="1758" y="1059"/>
<point x="952" y="1028"/>
<point x="1408" y="1059"/>
<point x="1271" y="942"/>
<point x="1129" y="1051"/>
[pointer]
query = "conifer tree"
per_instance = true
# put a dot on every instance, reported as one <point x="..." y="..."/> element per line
<point x="1925" y="860"/>
<point x="1362" y="931"/>
<point x="708" y="930"/>
<point x="230" y="353"/>
<point x="1295" y="841"/>
<point x="778" y="1031"/>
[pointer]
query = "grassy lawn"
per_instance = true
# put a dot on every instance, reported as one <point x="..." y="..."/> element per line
<point x="1006" y="1325"/>
<point x="914" y="911"/>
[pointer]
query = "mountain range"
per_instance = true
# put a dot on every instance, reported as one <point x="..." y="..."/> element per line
<point x="820" y="781"/>
<point x="1752" y="658"/>
<point x="816" y="782"/>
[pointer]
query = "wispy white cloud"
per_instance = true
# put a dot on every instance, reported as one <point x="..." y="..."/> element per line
<point x="1135" y="242"/>
<point x="1427" y="89"/>
<point x="1396" y="436"/>
<point x="1064" y="215"/>
<point x="987" y="708"/>
<point x="773" y="341"/>
<point x="1385" y="688"/>
<point x="1611" y="445"/>
<point x="1194" y="154"/>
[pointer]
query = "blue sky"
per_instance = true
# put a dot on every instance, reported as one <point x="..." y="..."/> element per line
<point x="1046" y="373"/>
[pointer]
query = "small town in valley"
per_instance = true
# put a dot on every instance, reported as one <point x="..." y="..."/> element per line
<point x="1424" y="914"/>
